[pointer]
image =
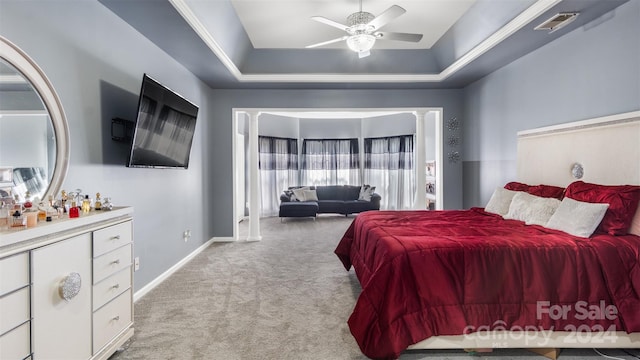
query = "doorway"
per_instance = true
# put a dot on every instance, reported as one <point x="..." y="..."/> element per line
<point x="428" y="150"/>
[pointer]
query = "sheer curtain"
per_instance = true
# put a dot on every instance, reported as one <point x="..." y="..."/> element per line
<point x="330" y="162"/>
<point x="278" y="163"/>
<point x="388" y="165"/>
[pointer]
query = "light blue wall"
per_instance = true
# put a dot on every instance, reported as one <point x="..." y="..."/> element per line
<point x="430" y="136"/>
<point x="95" y="61"/>
<point x="329" y="129"/>
<point x="590" y="72"/>
<point x="278" y="126"/>
<point x="389" y="125"/>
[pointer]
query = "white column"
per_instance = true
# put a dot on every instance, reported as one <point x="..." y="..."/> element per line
<point x="420" y="200"/>
<point x="254" y="176"/>
<point x="439" y="161"/>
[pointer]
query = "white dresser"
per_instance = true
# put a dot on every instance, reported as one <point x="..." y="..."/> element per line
<point x="36" y="321"/>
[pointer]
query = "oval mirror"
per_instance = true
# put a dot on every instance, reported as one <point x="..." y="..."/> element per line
<point x="34" y="135"/>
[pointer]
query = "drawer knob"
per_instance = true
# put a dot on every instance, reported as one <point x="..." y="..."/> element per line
<point x="115" y="262"/>
<point x="116" y="318"/>
<point x="70" y="286"/>
<point x="116" y="286"/>
<point x="117" y="237"/>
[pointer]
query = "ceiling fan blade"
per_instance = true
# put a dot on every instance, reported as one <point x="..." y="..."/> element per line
<point x="398" y="36"/>
<point x="327" y="42"/>
<point x="388" y="15"/>
<point x="326" y="21"/>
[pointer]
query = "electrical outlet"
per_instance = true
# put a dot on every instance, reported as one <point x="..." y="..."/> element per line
<point x="136" y="264"/>
<point x="186" y="235"/>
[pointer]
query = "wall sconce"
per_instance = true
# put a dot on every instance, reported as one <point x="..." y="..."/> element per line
<point x="577" y="171"/>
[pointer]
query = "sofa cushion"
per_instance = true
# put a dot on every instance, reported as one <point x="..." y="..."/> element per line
<point x="351" y="192"/>
<point x="330" y="192"/>
<point x="356" y="206"/>
<point x="331" y="206"/>
<point x="298" y="209"/>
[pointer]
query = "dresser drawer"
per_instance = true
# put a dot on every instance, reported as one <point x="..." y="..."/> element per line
<point x="111" y="287"/>
<point x="111" y="320"/>
<point x="16" y="344"/>
<point x="61" y="329"/>
<point x="111" y="238"/>
<point x="111" y="262"/>
<point x="14" y="272"/>
<point x="14" y="309"/>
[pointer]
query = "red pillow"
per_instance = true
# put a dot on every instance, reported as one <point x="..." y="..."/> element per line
<point x="517" y="186"/>
<point x="622" y="199"/>
<point x="547" y="191"/>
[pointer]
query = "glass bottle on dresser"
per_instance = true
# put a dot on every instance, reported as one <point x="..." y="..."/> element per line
<point x="98" y="203"/>
<point x="86" y="204"/>
<point x="74" y="212"/>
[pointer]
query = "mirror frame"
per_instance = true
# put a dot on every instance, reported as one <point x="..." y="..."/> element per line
<point x="32" y="72"/>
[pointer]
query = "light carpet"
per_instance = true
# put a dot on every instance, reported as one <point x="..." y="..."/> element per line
<point x="285" y="297"/>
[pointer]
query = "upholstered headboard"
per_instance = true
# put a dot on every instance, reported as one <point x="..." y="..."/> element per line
<point x="608" y="148"/>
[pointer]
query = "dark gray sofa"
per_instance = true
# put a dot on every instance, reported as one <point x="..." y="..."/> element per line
<point x="332" y="199"/>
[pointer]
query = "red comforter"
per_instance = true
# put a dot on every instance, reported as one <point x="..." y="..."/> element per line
<point x="428" y="273"/>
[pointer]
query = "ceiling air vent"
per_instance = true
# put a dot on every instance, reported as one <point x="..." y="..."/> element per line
<point x="557" y="22"/>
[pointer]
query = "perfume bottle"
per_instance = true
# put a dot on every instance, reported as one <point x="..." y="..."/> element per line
<point x="86" y="204"/>
<point x="78" y="195"/>
<point x="74" y="212"/>
<point x="4" y="215"/>
<point x="32" y="218"/>
<point x="42" y="211"/>
<point x="98" y="203"/>
<point x="63" y="201"/>
<point x="27" y="201"/>
<point x="17" y="219"/>
<point x="17" y="205"/>
<point x="107" y="204"/>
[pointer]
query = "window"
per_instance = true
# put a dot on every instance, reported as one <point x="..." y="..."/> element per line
<point x="330" y="162"/>
<point x="278" y="164"/>
<point x="388" y="165"/>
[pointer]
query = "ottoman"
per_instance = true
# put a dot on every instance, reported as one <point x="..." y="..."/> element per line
<point x="298" y="209"/>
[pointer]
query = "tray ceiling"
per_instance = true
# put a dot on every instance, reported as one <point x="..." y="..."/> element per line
<point x="287" y="24"/>
<point x="260" y="43"/>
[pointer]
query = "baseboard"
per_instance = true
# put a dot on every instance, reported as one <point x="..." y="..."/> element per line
<point x="157" y="281"/>
<point x="223" y="239"/>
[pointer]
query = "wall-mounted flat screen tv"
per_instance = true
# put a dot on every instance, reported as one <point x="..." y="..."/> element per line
<point x="164" y="128"/>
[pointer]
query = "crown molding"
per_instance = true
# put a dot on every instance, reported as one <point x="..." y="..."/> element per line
<point x="531" y="13"/>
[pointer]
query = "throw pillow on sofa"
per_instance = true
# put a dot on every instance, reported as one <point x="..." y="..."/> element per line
<point x="299" y="193"/>
<point x="290" y="195"/>
<point x="366" y="191"/>
<point x="310" y="195"/>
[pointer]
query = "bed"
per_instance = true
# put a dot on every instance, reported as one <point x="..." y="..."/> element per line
<point x="473" y="279"/>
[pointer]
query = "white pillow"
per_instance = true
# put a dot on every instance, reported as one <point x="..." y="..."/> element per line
<point x="577" y="218"/>
<point x="532" y="209"/>
<point x="299" y="193"/>
<point x="365" y="192"/>
<point x="500" y="201"/>
<point x="310" y="195"/>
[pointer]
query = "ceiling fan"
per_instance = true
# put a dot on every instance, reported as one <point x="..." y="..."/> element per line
<point x="363" y="30"/>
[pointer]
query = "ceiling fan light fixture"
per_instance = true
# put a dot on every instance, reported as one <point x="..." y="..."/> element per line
<point x="361" y="42"/>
